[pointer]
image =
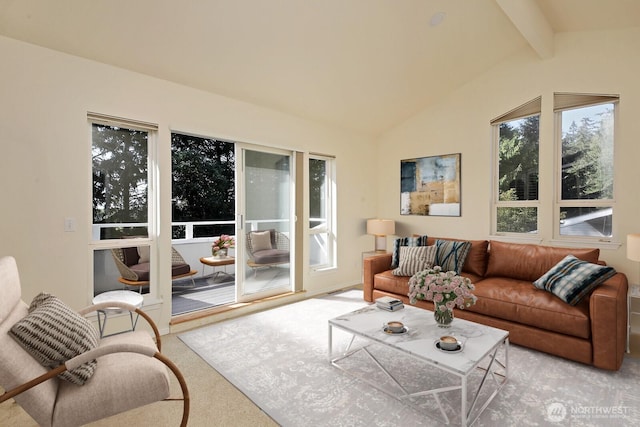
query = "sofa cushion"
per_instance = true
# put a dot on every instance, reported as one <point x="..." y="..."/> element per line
<point x="387" y="282"/>
<point x="572" y="279"/>
<point x="128" y="379"/>
<point x="271" y="256"/>
<point x="179" y="269"/>
<point x="405" y="241"/>
<point x="141" y="270"/>
<point x="521" y="302"/>
<point x="476" y="262"/>
<point x="451" y="255"/>
<point x="530" y="262"/>
<point x="53" y="333"/>
<point x="414" y="259"/>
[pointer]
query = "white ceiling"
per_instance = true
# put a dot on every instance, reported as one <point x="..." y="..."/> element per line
<point x="365" y="65"/>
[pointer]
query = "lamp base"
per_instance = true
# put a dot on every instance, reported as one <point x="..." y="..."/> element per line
<point x="381" y="243"/>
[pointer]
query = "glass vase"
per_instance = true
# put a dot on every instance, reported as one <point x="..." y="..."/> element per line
<point x="443" y="316"/>
<point x="220" y="253"/>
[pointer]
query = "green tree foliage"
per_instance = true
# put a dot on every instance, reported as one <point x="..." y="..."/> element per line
<point x="516" y="219"/>
<point x="317" y="179"/>
<point x="518" y="174"/>
<point x="587" y="159"/>
<point x="518" y="151"/>
<point x="119" y="158"/>
<point x="203" y="184"/>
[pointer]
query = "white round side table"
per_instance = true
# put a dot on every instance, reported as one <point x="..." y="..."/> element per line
<point x="128" y="297"/>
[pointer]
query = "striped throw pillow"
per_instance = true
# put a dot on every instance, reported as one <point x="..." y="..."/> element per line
<point x="405" y="241"/>
<point x="451" y="254"/>
<point x="53" y="333"/>
<point x="572" y="279"/>
<point x="414" y="259"/>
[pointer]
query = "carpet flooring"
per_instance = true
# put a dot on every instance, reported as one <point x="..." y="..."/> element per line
<point x="278" y="358"/>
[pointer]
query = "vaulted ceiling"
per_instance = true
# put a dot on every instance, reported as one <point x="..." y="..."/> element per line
<point x="364" y="65"/>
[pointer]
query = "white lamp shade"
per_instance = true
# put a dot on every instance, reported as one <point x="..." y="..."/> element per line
<point x="633" y="247"/>
<point x="381" y="227"/>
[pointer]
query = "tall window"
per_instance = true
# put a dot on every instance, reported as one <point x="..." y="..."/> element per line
<point x="321" y="212"/>
<point x="122" y="201"/>
<point x="516" y="175"/>
<point x="585" y="129"/>
<point x="203" y="187"/>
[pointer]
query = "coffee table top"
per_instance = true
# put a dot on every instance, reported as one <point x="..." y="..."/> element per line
<point x="423" y="332"/>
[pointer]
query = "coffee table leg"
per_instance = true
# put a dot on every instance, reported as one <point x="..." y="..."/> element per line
<point x="492" y="370"/>
<point x="330" y="343"/>
<point x="463" y="395"/>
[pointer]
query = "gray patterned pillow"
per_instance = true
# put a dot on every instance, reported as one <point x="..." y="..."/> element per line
<point x="451" y="255"/>
<point x="53" y="333"/>
<point x="414" y="259"/>
<point x="572" y="279"/>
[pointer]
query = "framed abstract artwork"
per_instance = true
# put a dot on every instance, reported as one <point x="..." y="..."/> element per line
<point x="430" y="186"/>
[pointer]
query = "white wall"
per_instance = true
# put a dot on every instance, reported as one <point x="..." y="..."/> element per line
<point x="596" y="62"/>
<point x="45" y="169"/>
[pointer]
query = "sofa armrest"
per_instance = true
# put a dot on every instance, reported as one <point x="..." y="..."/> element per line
<point x="608" y="312"/>
<point x="373" y="265"/>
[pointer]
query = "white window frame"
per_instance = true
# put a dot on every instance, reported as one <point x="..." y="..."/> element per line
<point x="528" y="109"/>
<point x="97" y="244"/>
<point x="558" y="201"/>
<point x="329" y="227"/>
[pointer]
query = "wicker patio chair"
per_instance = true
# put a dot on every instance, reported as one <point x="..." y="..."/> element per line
<point x="133" y="272"/>
<point x="126" y="371"/>
<point x="267" y="248"/>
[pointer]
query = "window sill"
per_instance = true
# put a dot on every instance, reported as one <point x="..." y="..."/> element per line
<point x="610" y="245"/>
<point x="534" y="239"/>
<point x="569" y="243"/>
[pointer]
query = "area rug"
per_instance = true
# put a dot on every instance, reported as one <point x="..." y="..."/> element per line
<point x="279" y="359"/>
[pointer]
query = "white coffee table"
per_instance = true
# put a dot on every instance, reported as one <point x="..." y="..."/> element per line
<point x="480" y="343"/>
<point x="128" y="297"/>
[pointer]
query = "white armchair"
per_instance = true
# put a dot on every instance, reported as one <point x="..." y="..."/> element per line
<point x="129" y="371"/>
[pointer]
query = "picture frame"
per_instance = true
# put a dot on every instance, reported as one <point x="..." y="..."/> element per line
<point x="431" y="185"/>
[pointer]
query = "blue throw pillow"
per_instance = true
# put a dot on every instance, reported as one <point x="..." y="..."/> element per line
<point x="572" y="279"/>
<point x="405" y="241"/>
<point x="451" y="254"/>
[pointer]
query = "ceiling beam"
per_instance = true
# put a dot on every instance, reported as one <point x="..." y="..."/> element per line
<point x="532" y="24"/>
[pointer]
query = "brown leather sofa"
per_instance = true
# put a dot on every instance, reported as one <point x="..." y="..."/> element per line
<point x="592" y="332"/>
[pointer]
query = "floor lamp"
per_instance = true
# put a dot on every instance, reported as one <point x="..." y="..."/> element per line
<point x="381" y="228"/>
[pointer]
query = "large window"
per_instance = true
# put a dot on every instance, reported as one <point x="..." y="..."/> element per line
<point x="321" y="208"/>
<point x="516" y="176"/>
<point x="582" y="194"/>
<point x="122" y="202"/>
<point x="585" y="129"/>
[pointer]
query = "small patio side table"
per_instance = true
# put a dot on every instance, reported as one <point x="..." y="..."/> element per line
<point x="217" y="262"/>
<point x="128" y="297"/>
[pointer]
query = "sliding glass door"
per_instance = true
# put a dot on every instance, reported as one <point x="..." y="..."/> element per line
<point x="264" y="226"/>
